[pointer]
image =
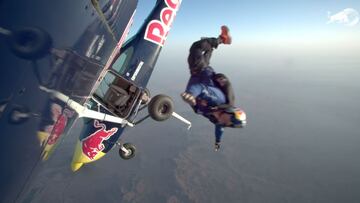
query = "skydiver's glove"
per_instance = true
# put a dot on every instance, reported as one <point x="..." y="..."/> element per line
<point x="188" y="98"/>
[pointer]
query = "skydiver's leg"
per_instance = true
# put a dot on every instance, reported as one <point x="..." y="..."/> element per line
<point x="219" y="130"/>
<point x="200" y="54"/>
<point x="199" y="60"/>
<point x="201" y="51"/>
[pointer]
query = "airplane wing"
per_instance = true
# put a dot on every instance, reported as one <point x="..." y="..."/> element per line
<point x="76" y="50"/>
<point x="73" y="44"/>
<point x="80" y="67"/>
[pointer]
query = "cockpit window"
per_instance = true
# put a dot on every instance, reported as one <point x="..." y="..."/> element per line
<point x="104" y="85"/>
<point x="122" y="62"/>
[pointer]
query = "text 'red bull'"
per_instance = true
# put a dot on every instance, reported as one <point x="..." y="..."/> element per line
<point x="157" y="30"/>
<point x="93" y="144"/>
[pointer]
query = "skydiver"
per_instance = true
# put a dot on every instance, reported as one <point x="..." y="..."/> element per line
<point x="209" y="93"/>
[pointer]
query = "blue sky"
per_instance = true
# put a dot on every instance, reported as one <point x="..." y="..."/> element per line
<point x="264" y="32"/>
<point x="260" y="22"/>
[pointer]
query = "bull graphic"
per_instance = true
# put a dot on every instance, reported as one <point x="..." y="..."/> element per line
<point x="93" y="144"/>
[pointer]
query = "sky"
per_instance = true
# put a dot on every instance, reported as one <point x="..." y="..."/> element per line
<point x="295" y="76"/>
<point x="281" y="25"/>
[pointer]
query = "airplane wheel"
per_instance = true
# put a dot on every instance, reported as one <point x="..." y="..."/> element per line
<point x="19" y="115"/>
<point x="131" y="151"/>
<point x="30" y="43"/>
<point x="161" y="107"/>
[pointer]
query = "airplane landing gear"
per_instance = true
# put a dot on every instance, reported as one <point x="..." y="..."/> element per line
<point x="161" y="107"/>
<point x="145" y="98"/>
<point x="19" y="115"/>
<point x="30" y="43"/>
<point x="127" y="151"/>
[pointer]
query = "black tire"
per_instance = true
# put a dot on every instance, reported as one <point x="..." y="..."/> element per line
<point x="161" y="107"/>
<point x="19" y="115"/>
<point x="131" y="148"/>
<point x="30" y="43"/>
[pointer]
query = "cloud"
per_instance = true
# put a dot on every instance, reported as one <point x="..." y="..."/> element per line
<point x="349" y="17"/>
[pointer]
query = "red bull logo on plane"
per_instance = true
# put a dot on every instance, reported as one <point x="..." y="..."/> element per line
<point x="93" y="144"/>
<point x="157" y="30"/>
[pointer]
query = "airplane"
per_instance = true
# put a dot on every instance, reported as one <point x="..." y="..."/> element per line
<point x="89" y="76"/>
<point x="120" y="92"/>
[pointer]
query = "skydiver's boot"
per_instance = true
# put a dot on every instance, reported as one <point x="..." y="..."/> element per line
<point x="188" y="98"/>
<point x="217" y="146"/>
<point x="224" y="37"/>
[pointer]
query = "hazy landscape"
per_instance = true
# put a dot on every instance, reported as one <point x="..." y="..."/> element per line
<point x="301" y="143"/>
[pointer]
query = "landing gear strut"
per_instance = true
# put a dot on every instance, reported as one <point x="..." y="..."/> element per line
<point x="19" y="115"/>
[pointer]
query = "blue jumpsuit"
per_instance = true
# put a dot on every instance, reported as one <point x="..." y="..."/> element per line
<point x="201" y="83"/>
<point x="202" y="87"/>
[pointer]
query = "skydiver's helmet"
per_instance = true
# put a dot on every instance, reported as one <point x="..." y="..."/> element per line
<point x="238" y="117"/>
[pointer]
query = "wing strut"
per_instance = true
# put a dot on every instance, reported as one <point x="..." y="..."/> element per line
<point x="182" y="119"/>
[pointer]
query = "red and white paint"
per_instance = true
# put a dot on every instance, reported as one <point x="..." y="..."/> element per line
<point x="157" y="30"/>
<point x="93" y="144"/>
